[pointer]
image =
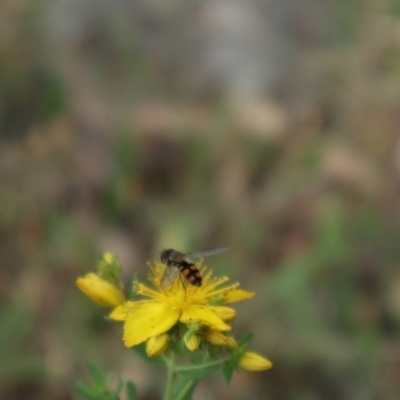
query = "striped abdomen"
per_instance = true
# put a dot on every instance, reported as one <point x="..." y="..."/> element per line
<point x="190" y="272"/>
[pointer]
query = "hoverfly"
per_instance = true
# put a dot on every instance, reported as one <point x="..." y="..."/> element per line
<point x="176" y="262"/>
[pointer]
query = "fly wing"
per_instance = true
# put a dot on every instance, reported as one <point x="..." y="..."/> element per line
<point x="170" y="274"/>
<point x="206" y="253"/>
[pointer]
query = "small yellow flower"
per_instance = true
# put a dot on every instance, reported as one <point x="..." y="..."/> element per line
<point x="218" y="338"/>
<point x="156" y="345"/>
<point x="180" y="302"/>
<point x="251" y="361"/>
<point x="100" y="291"/>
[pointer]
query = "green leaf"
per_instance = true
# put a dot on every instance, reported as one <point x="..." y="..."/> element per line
<point x="131" y="391"/>
<point x="140" y="350"/>
<point x="86" y="391"/>
<point x="227" y="372"/>
<point x="245" y="340"/>
<point x="94" y="392"/>
<point x="120" y="384"/>
<point x="185" y="389"/>
<point x="97" y="376"/>
<point x="97" y="388"/>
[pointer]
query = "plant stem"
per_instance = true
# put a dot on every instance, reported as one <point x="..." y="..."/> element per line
<point x="170" y="377"/>
<point x="186" y="389"/>
<point x="201" y="366"/>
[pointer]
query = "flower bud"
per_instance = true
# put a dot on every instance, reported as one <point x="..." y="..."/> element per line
<point x="100" y="291"/>
<point x="192" y="340"/>
<point x="217" y="338"/>
<point x="156" y="345"/>
<point x="227" y="314"/>
<point x="109" y="268"/>
<point x="251" y="361"/>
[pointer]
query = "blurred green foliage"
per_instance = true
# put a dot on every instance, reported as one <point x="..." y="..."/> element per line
<point x="112" y="139"/>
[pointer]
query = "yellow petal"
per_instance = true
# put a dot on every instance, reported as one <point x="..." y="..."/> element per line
<point x="227" y="314"/>
<point x="100" y="291"/>
<point x="147" y="320"/>
<point x="251" y="361"/>
<point x="237" y="295"/>
<point x="205" y="315"/>
<point x="217" y="338"/>
<point x="121" y="312"/>
<point x="156" y="345"/>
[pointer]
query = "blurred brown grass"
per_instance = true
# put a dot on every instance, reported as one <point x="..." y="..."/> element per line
<point x="112" y="139"/>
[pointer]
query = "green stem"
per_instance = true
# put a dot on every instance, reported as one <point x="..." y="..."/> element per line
<point x="186" y="389"/>
<point x="170" y="377"/>
<point x="201" y="366"/>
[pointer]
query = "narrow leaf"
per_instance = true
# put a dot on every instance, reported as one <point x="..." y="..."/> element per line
<point x="227" y="372"/>
<point x="86" y="391"/>
<point x="120" y="384"/>
<point x="131" y="391"/>
<point x="245" y="340"/>
<point x="97" y="376"/>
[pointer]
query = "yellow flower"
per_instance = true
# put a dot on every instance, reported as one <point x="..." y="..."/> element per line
<point x="251" y="361"/>
<point x="179" y="302"/>
<point x="218" y="338"/>
<point x="156" y="345"/>
<point x="100" y="291"/>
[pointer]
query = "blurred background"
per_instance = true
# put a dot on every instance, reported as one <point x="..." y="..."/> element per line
<point x="272" y="127"/>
